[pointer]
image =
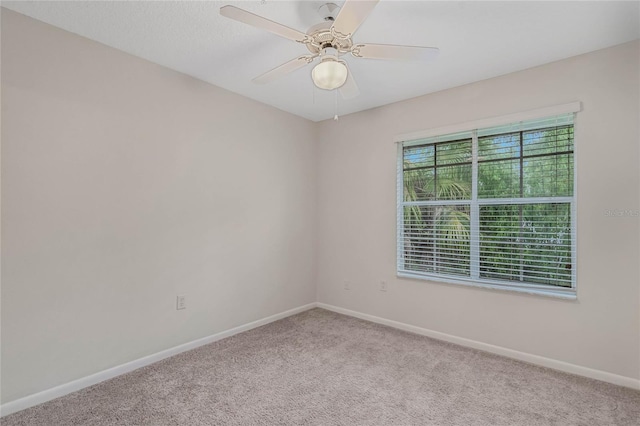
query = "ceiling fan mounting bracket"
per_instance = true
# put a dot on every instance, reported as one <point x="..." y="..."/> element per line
<point x="329" y="11"/>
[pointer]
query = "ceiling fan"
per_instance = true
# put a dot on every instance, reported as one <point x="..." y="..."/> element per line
<point x="330" y="40"/>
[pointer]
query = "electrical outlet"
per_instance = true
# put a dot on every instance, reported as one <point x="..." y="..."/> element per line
<point x="347" y="285"/>
<point x="181" y="302"/>
<point x="383" y="286"/>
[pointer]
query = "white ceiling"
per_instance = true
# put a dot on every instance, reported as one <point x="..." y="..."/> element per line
<point x="478" y="40"/>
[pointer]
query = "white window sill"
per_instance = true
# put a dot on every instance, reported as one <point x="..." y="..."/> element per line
<point x="565" y="294"/>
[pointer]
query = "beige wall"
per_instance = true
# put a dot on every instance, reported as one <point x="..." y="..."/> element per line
<point x="125" y="184"/>
<point x="357" y="216"/>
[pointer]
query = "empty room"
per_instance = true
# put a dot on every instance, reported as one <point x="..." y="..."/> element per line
<point x="320" y="213"/>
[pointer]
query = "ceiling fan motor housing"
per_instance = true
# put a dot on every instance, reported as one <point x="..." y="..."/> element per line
<point x="320" y="37"/>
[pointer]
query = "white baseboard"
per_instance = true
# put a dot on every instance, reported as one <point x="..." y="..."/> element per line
<point x="498" y="350"/>
<point x="76" y="385"/>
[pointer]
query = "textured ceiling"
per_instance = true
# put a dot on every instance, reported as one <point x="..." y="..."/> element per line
<point x="478" y="40"/>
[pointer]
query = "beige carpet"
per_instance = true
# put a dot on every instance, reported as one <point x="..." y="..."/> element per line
<point x="321" y="368"/>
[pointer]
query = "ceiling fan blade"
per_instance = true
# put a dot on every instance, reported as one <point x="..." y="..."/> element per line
<point x="283" y="69"/>
<point x="351" y="15"/>
<point x="254" y="20"/>
<point x="390" y="51"/>
<point x="349" y="89"/>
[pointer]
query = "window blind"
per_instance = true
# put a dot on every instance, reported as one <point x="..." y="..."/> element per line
<point x="493" y="205"/>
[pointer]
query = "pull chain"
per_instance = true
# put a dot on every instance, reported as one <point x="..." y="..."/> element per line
<point x="335" y="116"/>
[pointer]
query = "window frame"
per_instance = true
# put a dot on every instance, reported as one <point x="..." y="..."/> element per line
<point x="475" y="204"/>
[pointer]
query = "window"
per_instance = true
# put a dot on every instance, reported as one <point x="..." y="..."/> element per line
<point x="491" y="207"/>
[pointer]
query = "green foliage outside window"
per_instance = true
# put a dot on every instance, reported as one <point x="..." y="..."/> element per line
<point x="521" y="239"/>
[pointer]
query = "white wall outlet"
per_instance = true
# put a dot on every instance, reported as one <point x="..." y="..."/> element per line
<point x="347" y="285"/>
<point x="383" y="286"/>
<point x="181" y="302"/>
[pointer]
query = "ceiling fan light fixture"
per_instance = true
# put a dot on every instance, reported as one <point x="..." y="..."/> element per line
<point x="330" y="73"/>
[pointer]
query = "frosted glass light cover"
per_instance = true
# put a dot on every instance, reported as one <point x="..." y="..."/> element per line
<point x="329" y="75"/>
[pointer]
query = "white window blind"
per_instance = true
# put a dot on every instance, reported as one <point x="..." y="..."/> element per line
<point x="492" y="206"/>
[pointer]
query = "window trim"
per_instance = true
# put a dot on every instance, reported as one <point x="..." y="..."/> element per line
<point x="567" y="293"/>
<point x="490" y="122"/>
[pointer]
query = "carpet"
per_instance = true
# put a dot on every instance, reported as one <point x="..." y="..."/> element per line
<point x="323" y="368"/>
